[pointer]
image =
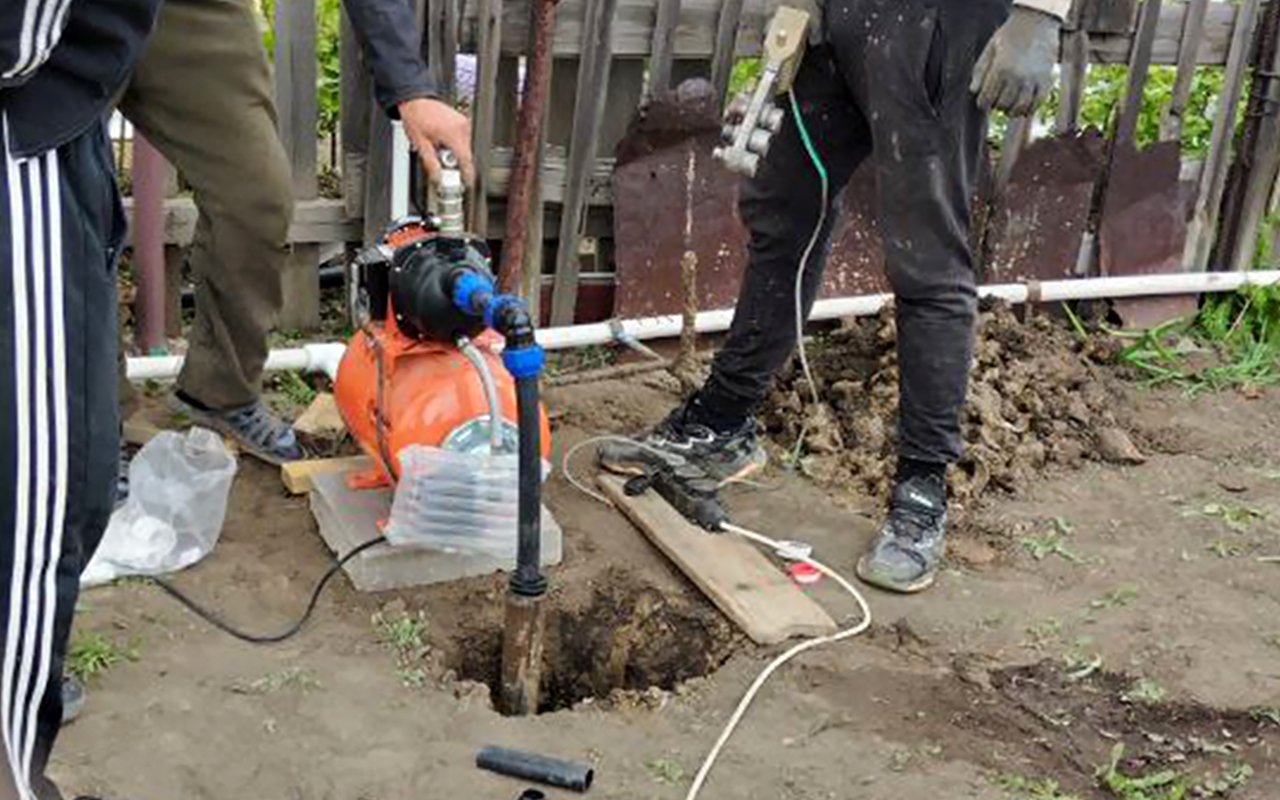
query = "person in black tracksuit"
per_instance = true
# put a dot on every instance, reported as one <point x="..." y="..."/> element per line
<point x="906" y="83"/>
<point x="61" y="227"/>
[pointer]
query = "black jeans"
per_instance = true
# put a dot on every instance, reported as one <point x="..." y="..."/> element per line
<point x="892" y="84"/>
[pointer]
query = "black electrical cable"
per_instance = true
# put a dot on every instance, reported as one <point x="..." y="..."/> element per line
<point x="217" y="622"/>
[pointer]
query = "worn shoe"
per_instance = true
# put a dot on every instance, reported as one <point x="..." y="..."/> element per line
<point x="909" y="548"/>
<point x="73" y="698"/>
<point x="253" y="427"/>
<point x="679" y="440"/>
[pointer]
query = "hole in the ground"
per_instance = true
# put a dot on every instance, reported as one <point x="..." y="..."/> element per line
<point x="628" y="637"/>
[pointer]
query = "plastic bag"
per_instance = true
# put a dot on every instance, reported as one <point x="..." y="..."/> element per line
<point x="178" y="489"/>
<point x="458" y="502"/>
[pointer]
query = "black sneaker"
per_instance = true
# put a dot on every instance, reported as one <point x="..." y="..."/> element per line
<point x="907" y="552"/>
<point x="73" y="698"/>
<point x="678" y="440"/>
<point x="253" y="427"/>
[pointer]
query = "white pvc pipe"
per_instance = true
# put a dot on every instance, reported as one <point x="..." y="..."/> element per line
<point x="325" y="357"/>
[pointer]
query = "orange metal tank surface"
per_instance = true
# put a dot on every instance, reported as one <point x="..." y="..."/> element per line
<point x="427" y="393"/>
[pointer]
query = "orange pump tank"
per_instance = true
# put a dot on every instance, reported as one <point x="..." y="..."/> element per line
<point x="394" y="391"/>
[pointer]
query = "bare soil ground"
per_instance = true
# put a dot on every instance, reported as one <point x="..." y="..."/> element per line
<point x="1087" y="604"/>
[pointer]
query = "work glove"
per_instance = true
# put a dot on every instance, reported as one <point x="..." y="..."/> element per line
<point x="1015" y="71"/>
<point x="817" y="33"/>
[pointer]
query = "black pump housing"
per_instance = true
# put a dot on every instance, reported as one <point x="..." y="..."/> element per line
<point x="421" y="284"/>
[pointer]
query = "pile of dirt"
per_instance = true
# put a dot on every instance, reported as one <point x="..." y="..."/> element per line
<point x="1038" y="396"/>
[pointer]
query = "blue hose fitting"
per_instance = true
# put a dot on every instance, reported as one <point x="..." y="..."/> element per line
<point x="524" y="362"/>
<point x="471" y="292"/>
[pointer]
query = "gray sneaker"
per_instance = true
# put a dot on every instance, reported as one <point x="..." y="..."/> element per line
<point x="253" y="427"/>
<point x="73" y="698"/>
<point x="678" y="440"/>
<point x="909" y="548"/>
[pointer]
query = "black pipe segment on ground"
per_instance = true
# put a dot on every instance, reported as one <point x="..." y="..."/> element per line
<point x="533" y="767"/>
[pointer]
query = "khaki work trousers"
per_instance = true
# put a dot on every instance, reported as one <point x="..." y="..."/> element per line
<point x="203" y="96"/>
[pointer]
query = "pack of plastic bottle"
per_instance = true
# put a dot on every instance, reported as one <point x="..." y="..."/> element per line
<point x="457" y="502"/>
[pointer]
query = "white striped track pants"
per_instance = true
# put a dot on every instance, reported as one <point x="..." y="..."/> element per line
<point x="60" y="227"/>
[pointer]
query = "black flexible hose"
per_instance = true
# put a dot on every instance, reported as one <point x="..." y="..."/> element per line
<point x="528" y="579"/>
<point x="217" y="622"/>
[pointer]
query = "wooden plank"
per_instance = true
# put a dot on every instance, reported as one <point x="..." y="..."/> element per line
<point x="1214" y="48"/>
<point x="734" y="575"/>
<point x="485" y="110"/>
<point x="1139" y="67"/>
<point x="1200" y="233"/>
<point x="298" y="476"/>
<point x="588" y="114"/>
<point x="355" y="99"/>
<point x="662" y="52"/>
<point x="727" y="26"/>
<point x="1192" y="35"/>
<point x="296" y="104"/>
<point x="377" y="179"/>
<point x="1075" y="68"/>
<point x="318" y="221"/>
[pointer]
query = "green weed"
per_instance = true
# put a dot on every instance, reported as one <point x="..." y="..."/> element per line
<point x="294" y="388"/>
<point x="1116" y="598"/>
<point x="1025" y="788"/>
<point x="1051" y="543"/>
<point x="403" y="634"/>
<point x="93" y="655"/>
<point x="666" y="770"/>
<point x="1225" y="549"/>
<point x="1236" y="517"/>
<point x="1233" y="778"/>
<point x="1236" y="338"/>
<point x="1162" y="785"/>
<point x="1265" y="714"/>
<point x="1144" y="692"/>
<point x="1045" y="632"/>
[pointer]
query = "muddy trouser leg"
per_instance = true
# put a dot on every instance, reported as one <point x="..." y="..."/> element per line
<point x="202" y="94"/>
<point x="780" y="207"/>
<point x="60" y="226"/>
<point x="910" y="69"/>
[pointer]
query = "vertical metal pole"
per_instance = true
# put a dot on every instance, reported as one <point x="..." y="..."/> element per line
<point x="148" y="244"/>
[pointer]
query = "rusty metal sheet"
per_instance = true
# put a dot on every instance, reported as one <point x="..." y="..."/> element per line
<point x="1036" y="226"/>
<point x="1143" y="230"/>
<point x="670" y="195"/>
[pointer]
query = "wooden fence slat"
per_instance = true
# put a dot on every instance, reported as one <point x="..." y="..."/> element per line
<point x="297" y="106"/>
<point x="355" y="101"/>
<point x="1139" y="67"/>
<point x="722" y="59"/>
<point x="449" y="45"/>
<point x="1213" y="177"/>
<point x="485" y="110"/>
<point x="591" y="97"/>
<point x="665" y="21"/>
<point x="377" y="184"/>
<point x="1192" y="35"/>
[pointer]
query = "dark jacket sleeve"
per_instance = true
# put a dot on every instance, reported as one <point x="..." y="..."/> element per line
<point x="388" y="34"/>
<point x="29" y="30"/>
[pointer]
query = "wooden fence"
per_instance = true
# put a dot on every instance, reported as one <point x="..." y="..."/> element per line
<point x="610" y="55"/>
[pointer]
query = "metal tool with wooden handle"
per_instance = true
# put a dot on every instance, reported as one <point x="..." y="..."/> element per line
<point x="753" y="120"/>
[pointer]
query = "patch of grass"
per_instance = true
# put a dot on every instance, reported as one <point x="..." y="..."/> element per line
<point x="666" y="770"/>
<point x="412" y="677"/>
<point x="294" y="388"/>
<point x="403" y="633"/>
<point x="290" y="678"/>
<point x="92" y="655"/>
<point x="1045" y="632"/>
<point x="1238" y="332"/>
<point x="1236" y="517"/>
<point x="1265" y="715"/>
<point x="1233" y="778"/>
<point x="1025" y="788"/>
<point x="1051" y="543"/>
<point x="1116" y="598"/>
<point x="1225" y="549"/>
<point x="1145" y="692"/>
<point x="1161" y="785"/>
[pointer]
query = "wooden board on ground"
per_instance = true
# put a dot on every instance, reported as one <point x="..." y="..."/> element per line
<point x="737" y="577"/>
<point x="349" y="517"/>
<point x="298" y="476"/>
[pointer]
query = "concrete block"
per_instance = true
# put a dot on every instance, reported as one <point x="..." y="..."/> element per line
<point x="348" y="517"/>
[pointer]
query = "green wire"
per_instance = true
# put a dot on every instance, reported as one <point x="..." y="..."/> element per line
<point x="818" y="166"/>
